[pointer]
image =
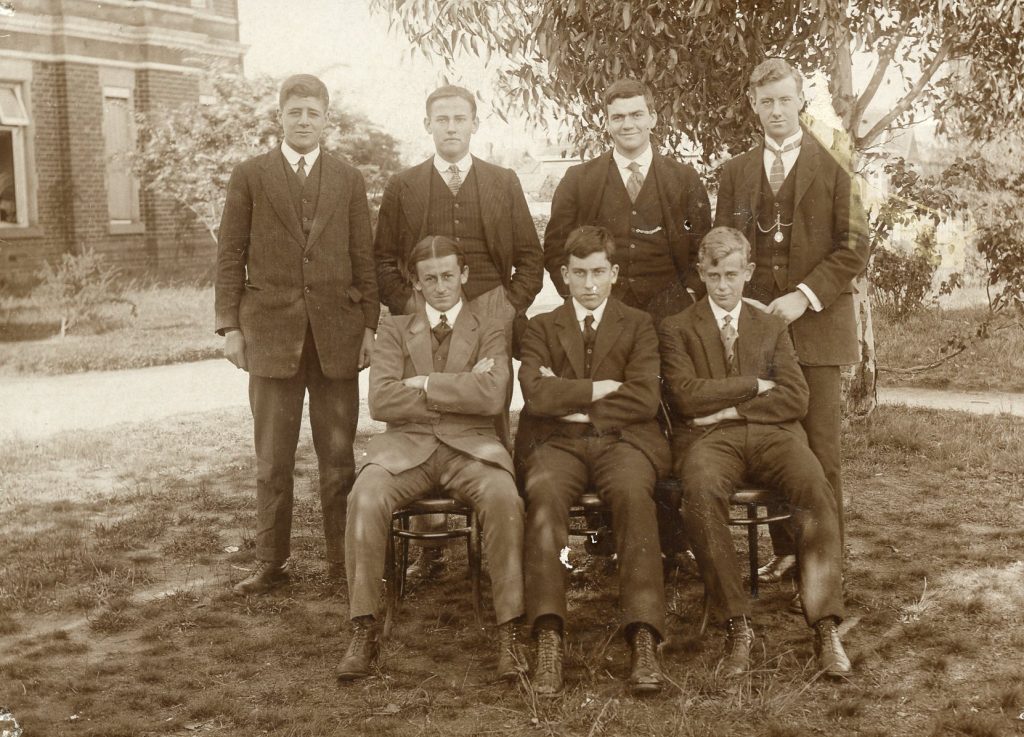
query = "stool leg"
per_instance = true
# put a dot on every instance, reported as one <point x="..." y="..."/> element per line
<point x="404" y="524"/>
<point x="474" y="565"/>
<point x="752" y="548"/>
<point x="391" y="586"/>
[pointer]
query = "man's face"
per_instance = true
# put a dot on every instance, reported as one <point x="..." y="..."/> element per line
<point x="778" y="106"/>
<point x="590" y="279"/>
<point x="452" y="124"/>
<point x="629" y="124"/>
<point x="440" y="281"/>
<point x="725" y="280"/>
<point x="303" y="120"/>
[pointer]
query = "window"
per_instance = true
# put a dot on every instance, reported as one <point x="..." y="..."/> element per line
<point x="13" y="184"/>
<point x="119" y="138"/>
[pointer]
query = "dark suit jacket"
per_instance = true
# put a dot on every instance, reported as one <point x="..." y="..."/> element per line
<point x="625" y="349"/>
<point x="684" y="209"/>
<point x="272" y="282"/>
<point x="508" y="226"/>
<point x="828" y="247"/>
<point x="458" y="407"/>
<point x="697" y="381"/>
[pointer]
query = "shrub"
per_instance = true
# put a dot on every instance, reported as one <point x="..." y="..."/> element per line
<point x="78" y="288"/>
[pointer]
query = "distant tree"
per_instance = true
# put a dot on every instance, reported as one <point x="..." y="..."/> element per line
<point x="187" y="153"/>
<point x="558" y="55"/>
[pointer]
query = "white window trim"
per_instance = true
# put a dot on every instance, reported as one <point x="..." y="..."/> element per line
<point x="134" y="224"/>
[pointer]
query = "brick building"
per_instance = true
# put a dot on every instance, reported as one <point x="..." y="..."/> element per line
<point x="72" y="73"/>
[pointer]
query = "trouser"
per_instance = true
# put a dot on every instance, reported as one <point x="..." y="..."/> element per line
<point x="490" y="490"/>
<point x="277" y="414"/>
<point x="557" y="474"/>
<point x="823" y="425"/>
<point x="710" y="470"/>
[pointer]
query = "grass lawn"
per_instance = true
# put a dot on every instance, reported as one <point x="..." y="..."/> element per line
<point x="991" y="364"/>
<point x="118" y="550"/>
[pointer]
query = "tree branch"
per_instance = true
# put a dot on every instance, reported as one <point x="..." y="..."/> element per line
<point x="875" y="82"/>
<point x="908" y="99"/>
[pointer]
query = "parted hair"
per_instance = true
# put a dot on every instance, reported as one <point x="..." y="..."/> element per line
<point x="626" y="88"/>
<point x="451" y="90"/>
<point x="588" y="239"/>
<point x="303" y="85"/>
<point x="722" y="241"/>
<point x="435" y="246"/>
<point x="772" y="70"/>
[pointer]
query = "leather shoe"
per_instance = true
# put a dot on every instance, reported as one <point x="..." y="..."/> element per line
<point x="428" y="565"/>
<point x="777" y="568"/>
<point x="738" y="640"/>
<point x="796" y="604"/>
<point x="547" y="673"/>
<point x="645" y="676"/>
<point x="511" y="658"/>
<point x="828" y="649"/>
<point x="362" y="650"/>
<point x="268" y="575"/>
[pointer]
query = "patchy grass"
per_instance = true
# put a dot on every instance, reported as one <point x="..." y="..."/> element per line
<point x="992" y="364"/>
<point x="117" y="553"/>
<point x="174" y="324"/>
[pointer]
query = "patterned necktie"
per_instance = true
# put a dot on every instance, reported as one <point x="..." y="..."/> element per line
<point x="300" y="170"/>
<point x="777" y="175"/>
<point x="589" y="336"/>
<point x="729" y="335"/>
<point x="635" y="182"/>
<point x="442" y="329"/>
<point x="454" y="179"/>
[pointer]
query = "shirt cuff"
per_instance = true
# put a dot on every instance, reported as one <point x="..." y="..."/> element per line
<point x="425" y="382"/>
<point x="811" y="297"/>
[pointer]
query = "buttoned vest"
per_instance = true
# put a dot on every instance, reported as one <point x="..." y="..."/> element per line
<point x="304" y="196"/>
<point x="771" y="277"/>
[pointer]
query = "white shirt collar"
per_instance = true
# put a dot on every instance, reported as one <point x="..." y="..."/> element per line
<point x="795" y="138"/>
<point x="464" y="164"/>
<point x="582" y="312"/>
<point x="434" y="316"/>
<point x="720" y="314"/>
<point x="643" y="159"/>
<point x="292" y="156"/>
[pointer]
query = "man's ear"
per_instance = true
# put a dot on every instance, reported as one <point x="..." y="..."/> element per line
<point x="426" y="124"/>
<point x="615" y="273"/>
<point x="416" y="285"/>
<point x="464" y="276"/>
<point x="750" y="271"/>
<point x="565" y="274"/>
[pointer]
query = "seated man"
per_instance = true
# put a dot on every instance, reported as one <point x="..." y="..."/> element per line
<point x="438" y="378"/>
<point x="733" y="376"/>
<point x="590" y="381"/>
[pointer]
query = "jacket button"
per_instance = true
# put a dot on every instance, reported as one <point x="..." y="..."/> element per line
<point x="632" y="245"/>
<point x="776" y="267"/>
<point x="306" y="290"/>
<point x="305" y="259"/>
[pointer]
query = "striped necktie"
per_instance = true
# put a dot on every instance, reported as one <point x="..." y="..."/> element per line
<point x="729" y="336"/>
<point x="777" y="175"/>
<point x="454" y="179"/>
<point x="442" y="330"/>
<point x="635" y="182"/>
<point x="300" y="170"/>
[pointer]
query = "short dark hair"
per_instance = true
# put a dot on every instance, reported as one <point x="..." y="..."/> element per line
<point x="588" y="239"/>
<point x="626" y="88"/>
<point x="435" y="246"/>
<point x="303" y="85"/>
<point x="772" y="70"/>
<point x="451" y="90"/>
<point x="722" y="241"/>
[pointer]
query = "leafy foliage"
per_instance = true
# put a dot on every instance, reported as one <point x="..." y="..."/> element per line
<point x="78" y="288"/>
<point x="187" y="153"/>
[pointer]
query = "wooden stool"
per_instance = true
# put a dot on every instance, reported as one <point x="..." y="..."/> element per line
<point x="396" y="564"/>
<point x="752" y="497"/>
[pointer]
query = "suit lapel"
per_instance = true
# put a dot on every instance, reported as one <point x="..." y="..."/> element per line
<point x="749" y="342"/>
<point x="570" y="337"/>
<point x="753" y="174"/>
<point x="662" y="179"/>
<point x="607" y="333"/>
<point x="418" y="339"/>
<point x="492" y="205"/>
<point x="331" y="186"/>
<point x="711" y="339"/>
<point x="414" y="201"/>
<point x="592" y="188"/>
<point x="461" y="342"/>
<point x="275" y="184"/>
<point x="806" y="168"/>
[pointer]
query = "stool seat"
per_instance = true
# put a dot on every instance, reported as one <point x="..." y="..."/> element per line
<point x="753" y="496"/>
<point x="438" y="505"/>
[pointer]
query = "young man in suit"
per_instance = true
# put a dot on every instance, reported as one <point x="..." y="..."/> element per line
<point x="438" y="379"/>
<point x="739" y="395"/>
<point x="296" y="302"/>
<point x="800" y="210"/>
<point x="479" y="205"/>
<point x="590" y="381"/>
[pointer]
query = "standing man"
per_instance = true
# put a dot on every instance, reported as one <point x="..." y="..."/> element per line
<point x="591" y="385"/>
<point x="482" y="207"/>
<point x="801" y="211"/>
<point x="438" y="379"/>
<point x="296" y="302"/>
<point x="655" y="207"/>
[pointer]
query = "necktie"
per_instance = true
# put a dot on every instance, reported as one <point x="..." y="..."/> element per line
<point x="454" y="179"/>
<point x="442" y="329"/>
<point x="635" y="182"/>
<point x="777" y="175"/>
<point x="729" y="336"/>
<point x="300" y="170"/>
<point x="589" y="336"/>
